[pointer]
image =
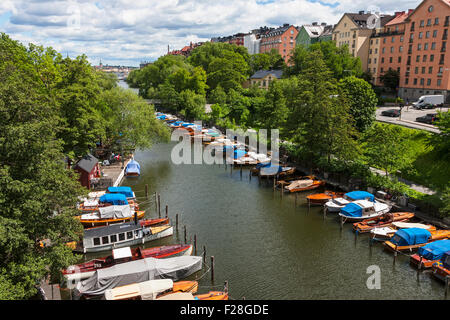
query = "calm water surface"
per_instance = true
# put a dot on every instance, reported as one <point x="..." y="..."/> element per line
<point x="264" y="246"/>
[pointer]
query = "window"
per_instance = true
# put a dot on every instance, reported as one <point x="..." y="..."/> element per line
<point x="423" y="70"/>
<point x="390" y="59"/>
<point x="422" y="23"/>
<point x="416" y="70"/>
<point x="370" y="61"/>
<point x="374" y="60"/>
<point x="399" y="59"/>
<point x="392" y="49"/>
<point x="431" y="57"/>
<point x="376" y="50"/>
<point x="384" y="40"/>
<point x="424" y="59"/>
<point x="400" y="49"/>
<point x="438" y="82"/>
<point x="428" y="82"/>
<point x="429" y="22"/>
<point x="436" y="21"/>
<point x="393" y="39"/>
<point x="420" y="35"/>
<point x="105" y="240"/>
<point x="129" y="235"/>
<point x="406" y="80"/>
<point x="419" y="46"/>
<point x="433" y="45"/>
<point x="435" y="33"/>
<point x="425" y="46"/>
<point x="415" y="80"/>
<point x="427" y="34"/>
<point x="412" y="26"/>
<point x="422" y="81"/>
<point x="114" y="238"/>
<point x="382" y="51"/>
<point x="96" y="241"/>
<point x="382" y="59"/>
<point x="381" y="70"/>
<point x="418" y="59"/>
<point x="121" y="236"/>
<point x="430" y="70"/>
<point x="401" y="38"/>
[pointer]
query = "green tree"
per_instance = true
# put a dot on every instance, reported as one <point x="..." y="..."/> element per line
<point x="441" y="141"/>
<point x="390" y="79"/>
<point x="362" y="99"/>
<point x="267" y="61"/>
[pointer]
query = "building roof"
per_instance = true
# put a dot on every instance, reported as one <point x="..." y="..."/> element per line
<point x="361" y="18"/>
<point x="400" y="17"/>
<point x="263" y="73"/>
<point x="278" y="31"/>
<point x="87" y="163"/>
<point x="313" y="31"/>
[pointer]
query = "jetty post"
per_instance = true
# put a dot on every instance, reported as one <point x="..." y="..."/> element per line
<point x="167" y="211"/>
<point x="195" y="244"/>
<point x="212" y="268"/>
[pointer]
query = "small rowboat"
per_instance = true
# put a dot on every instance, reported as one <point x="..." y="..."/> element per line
<point x="382" y="221"/>
<point x="427" y="255"/>
<point x="95" y="220"/>
<point x="212" y="295"/>
<point x="302" y="185"/>
<point x="322" y="198"/>
<point x="414" y="238"/>
<point x="154" y="222"/>
<point x="150" y="290"/>
<point x="85" y="270"/>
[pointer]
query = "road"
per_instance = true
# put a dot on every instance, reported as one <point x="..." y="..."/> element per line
<point x="408" y="118"/>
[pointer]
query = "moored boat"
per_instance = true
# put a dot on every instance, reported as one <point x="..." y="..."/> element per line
<point x="212" y="295"/>
<point x="175" y="268"/>
<point x="384" y="220"/>
<point x="322" y="198"/>
<point x="336" y="204"/>
<point x="308" y="183"/>
<point x="414" y="238"/>
<point x="386" y="232"/>
<point x="109" y="215"/>
<point x="441" y="269"/>
<point x="150" y="290"/>
<point x="429" y="254"/>
<point x="86" y="269"/>
<point x="120" y="235"/>
<point x="362" y="209"/>
<point x="133" y="169"/>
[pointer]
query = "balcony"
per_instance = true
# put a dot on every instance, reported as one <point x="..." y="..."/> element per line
<point x="411" y="40"/>
<point x="444" y="36"/>
<point x="439" y="74"/>
<point x="443" y="49"/>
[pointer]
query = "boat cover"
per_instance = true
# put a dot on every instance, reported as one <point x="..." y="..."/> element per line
<point x="360" y="195"/>
<point x="352" y="210"/>
<point x="133" y="167"/>
<point x="300" y="184"/>
<point x="162" y="117"/>
<point x="406" y="225"/>
<point x="270" y="170"/>
<point x="123" y="190"/>
<point x="114" y="198"/>
<point x="408" y="237"/>
<point x="239" y="153"/>
<point x="115" y="212"/>
<point x="178" y="296"/>
<point x="122" y="274"/>
<point x="147" y="290"/>
<point x="434" y="250"/>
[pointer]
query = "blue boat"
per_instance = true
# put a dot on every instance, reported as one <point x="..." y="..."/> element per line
<point x="116" y="199"/>
<point x="408" y="239"/>
<point x="126" y="191"/>
<point x="434" y="250"/>
<point x="441" y="268"/>
<point x="133" y="169"/>
<point x="359" y="195"/>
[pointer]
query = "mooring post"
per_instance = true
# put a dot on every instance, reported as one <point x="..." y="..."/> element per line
<point x="342" y="222"/>
<point x="241" y="171"/>
<point x="176" y="222"/>
<point x="159" y="205"/>
<point x="324" y="212"/>
<point x="395" y="254"/>
<point x="204" y="254"/>
<point x="446" y="286"/>
<point x="156" y="201"/>
<point x="295" y="202"/>
<point x="195" y="244"/>
<point x="250" y="175"/>
<point x="225" y="287"/>
<point x="167" y="211"/>
<point x="146" y="191"/>
<point x="185" y="235"/>
<point x="212" y="268"/>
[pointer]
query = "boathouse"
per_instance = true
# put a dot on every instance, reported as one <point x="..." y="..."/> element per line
<point x="88" y="168"/>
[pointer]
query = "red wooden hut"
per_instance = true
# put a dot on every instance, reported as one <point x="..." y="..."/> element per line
<point x="88" y="168"/>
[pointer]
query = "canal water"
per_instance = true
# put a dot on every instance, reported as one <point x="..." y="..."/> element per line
<point x="264" y="245"/>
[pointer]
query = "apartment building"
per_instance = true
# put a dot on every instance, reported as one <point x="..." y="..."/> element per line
<point x="309" y="34"/>
<point x="281" y="39"/>
<point x="426" y="64"/>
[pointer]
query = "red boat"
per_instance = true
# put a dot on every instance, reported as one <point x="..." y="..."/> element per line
<point x="87" y="269"/>
<point x="154" y="222"/>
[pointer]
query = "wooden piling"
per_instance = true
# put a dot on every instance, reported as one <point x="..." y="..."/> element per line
<point x="146" y="191"/>
<point x="204" y="254"/>
<point x="159" y="205"/>
<point x="241" y="171"/>
<point x="395" y="254"/>
<point x="446" y="286"/>
<point x="167" y="211"/>
<point x="176" y="222"/>
<point x="212" y="268"/>
<point x="195" y="244"/>
<point x="225" y="287"/>
<point x="185" y="235"/>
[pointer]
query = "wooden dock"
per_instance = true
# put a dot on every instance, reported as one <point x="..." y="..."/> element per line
<point x="50" y="291"/>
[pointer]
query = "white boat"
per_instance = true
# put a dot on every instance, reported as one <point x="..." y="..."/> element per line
<point x="147" y="290"/>
<point x="362" y="209"/>
<point x="336" y="204"/>
<point x="385" y="233"/>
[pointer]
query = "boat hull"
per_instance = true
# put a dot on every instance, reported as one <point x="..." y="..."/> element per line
<point x="369" y="224"/>
<point x="105" y="222"/>
<point x="355" y="219"/>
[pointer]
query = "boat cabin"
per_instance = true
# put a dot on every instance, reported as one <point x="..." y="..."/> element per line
<point x="359" y="208"/>
<point x="113" y="235"/>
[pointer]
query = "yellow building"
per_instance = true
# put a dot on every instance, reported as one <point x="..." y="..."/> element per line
<point x="263" y="78"/>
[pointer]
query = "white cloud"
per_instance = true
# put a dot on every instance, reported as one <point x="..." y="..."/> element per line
<point x="129" y="32"/>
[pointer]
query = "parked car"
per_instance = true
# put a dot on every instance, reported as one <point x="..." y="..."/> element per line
<point x="428" y="118"/>
<point x="391" y="113"/>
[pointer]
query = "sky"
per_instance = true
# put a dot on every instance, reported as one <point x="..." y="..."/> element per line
<point x="124" y="32"/>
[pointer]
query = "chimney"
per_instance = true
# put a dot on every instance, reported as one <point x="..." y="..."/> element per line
<point x="285" y="24"/>
<point x="314" y="23"/>
<point x="361" y="12"/>
<point x="410" y="11"/>
<point x="323" y="24"/>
